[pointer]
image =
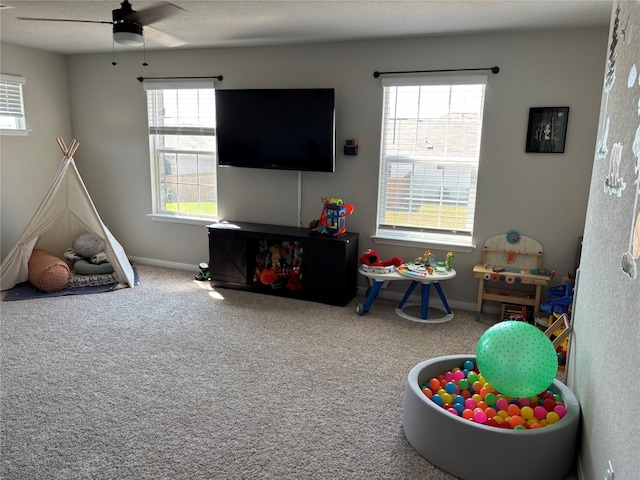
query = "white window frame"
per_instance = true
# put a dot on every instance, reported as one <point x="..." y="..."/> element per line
<point x="12" y="116"/>
<point x="421" y="160"/>
<point x="158" y="130"/>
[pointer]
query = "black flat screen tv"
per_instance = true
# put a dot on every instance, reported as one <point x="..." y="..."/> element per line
<point x="284" y="129"/>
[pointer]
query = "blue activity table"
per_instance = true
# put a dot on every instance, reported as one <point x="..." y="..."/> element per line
<point x="379" y="280"/>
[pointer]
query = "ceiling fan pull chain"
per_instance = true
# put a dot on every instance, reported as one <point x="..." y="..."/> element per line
<point x="113" y="53"/>
<point x="144" y="53"/>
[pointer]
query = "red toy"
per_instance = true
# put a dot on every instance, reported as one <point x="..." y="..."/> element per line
<point x="372" y="259"/>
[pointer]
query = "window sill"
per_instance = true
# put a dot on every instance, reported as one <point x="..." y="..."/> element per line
<point x="15" y="132"/>
<point x="159" y="217"/>
<point x="422" y="243"/>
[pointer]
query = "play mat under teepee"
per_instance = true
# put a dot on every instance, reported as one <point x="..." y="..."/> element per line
<point x="65" y="221"/>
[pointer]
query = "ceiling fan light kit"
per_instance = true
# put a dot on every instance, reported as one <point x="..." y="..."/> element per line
<point x="129" y="34"/>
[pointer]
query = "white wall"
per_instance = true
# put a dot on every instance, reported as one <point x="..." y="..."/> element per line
<point x="543" y="196"/>
<point x="28" y="164"/>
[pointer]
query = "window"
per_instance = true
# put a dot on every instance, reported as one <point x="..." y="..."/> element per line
<point x="183" y="149"/>
<point x="431" y="131"/>
<point x="12" y="121"/>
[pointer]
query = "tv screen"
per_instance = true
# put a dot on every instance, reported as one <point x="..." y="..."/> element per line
<point x="286" y="129"/>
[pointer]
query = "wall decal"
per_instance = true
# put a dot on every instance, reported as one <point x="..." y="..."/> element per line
<point x="617" y="154"/>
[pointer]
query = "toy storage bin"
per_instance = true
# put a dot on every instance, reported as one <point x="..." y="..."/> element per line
<point x="475" y="451"/>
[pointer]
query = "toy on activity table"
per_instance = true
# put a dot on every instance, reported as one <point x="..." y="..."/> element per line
<point x="333" y="218"/>
<point x="370" y="262"/>
<point x="427" y="264"/>
<point x="449" y="261"/>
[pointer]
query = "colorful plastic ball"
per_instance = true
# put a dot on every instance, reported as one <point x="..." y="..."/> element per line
<point x="502" y="404"/>
<point x="526" y="412"/>
<point x="427" y="391"/>
<point x="468" y="364"/>
<point x="453" y="411"/>
<point x="491" y="422"/>
<point x="437" y="399"/>
<point x="472" y="377"/>
<point x="524" y="402"/>
<point x="491" y="399"/>
<point x="479" y="416"/>
<point x="552" y="417"/>
<point x="549" y="404"/>
<point x="561" y="410"/>
<point x="513" y="409"/>
<point x="540" y="412"/>
<point x="470" y="403"/>
<point x="459" y="375"/>
<point x="484" y="391"/>
<point x="434" y="384"/>
<point x="458" y="399"/>
<point x="451" y="387"/>
<point x="459" y="408"/>
<point x="467" y="413"/>
<point x="516" y="358"/>
<point x="516" y="420"/>
<point x="463" y="384"/>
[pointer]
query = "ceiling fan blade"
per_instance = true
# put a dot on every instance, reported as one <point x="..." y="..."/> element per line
<point x="154" y="14"/>
<point x="163" y="38"/>
<point x="61" y="20"/>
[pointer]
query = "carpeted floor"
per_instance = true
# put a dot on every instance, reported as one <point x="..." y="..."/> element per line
<point x="175" y="380"/>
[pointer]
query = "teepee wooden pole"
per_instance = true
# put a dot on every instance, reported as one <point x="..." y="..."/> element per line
<point x="63" y="147"/>
<point x="72" y="149"/>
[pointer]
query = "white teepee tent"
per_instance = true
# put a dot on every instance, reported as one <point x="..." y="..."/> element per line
<point x="65" y="212"/>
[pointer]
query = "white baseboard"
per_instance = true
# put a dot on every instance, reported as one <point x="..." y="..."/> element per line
<point x="164" y="263"/>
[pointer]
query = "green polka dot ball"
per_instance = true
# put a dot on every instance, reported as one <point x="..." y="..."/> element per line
<point x="517" y="359"/>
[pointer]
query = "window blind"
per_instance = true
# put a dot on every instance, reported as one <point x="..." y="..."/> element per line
<point x="181" y="112"/>
<point x="11" y="103"/>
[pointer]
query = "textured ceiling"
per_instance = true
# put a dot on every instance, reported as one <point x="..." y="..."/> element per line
<point x="248" y="23"/>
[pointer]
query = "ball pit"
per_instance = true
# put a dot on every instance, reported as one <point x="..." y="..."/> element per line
<point x="496" y="453"/>
<point x="477" y="403"/>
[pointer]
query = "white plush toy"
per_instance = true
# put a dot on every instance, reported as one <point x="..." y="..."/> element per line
<point x="88" y="245"/>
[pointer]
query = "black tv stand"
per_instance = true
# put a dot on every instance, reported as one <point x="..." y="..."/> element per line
<point x="317" y="267"/>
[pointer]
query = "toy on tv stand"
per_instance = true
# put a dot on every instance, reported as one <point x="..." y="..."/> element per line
<point x="333" y="218"/>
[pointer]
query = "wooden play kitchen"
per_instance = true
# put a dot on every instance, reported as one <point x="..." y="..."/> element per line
<point x="511" y="272"/>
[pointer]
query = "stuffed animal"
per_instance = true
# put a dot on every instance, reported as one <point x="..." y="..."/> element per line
<point x="372" y="259"/>
<point x="295" y="280"/>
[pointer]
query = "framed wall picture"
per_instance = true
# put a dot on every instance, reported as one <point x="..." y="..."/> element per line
<point x="547" y="129"/>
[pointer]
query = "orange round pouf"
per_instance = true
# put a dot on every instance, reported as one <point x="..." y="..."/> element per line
<point x="47" y="272"/>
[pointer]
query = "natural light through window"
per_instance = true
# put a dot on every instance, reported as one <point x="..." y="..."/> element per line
<point x="183" y="151"/>
<point x="12" y="117"/>
<point x="431" y="133"/>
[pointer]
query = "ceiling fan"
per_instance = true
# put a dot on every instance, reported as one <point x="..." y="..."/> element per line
<point x="128" y="24"/>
